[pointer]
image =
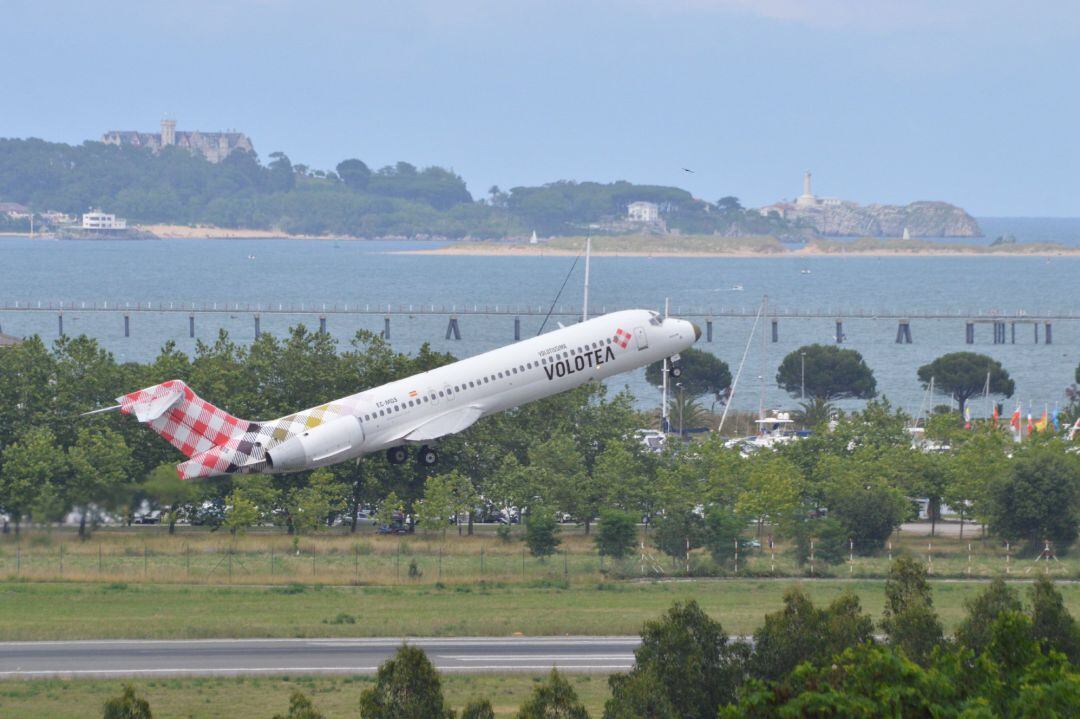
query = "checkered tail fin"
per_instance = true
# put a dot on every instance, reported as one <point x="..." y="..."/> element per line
<point x="185" y="420"/>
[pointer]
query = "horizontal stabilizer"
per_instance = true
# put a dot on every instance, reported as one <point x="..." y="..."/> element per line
<point x="451" y="422"/>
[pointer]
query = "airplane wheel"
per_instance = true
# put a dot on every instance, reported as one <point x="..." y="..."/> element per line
<point x="676" y="371"/>
<point x="427" y="456"/>
<point x="396" y="455"/>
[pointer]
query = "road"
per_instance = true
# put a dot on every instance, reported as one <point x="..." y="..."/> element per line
<point x="225" y="657"/>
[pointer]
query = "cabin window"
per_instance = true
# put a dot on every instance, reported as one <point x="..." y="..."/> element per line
<point x="367" y="417"/>
<point x="382" y="412"/>
<point x="514" y="370"/>
<point x="441" y="393"/>
<point x="522" y="368"/>
<point x="500" y="375"/>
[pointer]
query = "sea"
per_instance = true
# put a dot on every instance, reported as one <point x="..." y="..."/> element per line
<point x="250" y="275"/>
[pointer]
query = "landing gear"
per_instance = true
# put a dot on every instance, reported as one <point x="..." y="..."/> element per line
<point x="427" y="456"/>
<point x="396" y="455"/>
<point x="676" y="367"/>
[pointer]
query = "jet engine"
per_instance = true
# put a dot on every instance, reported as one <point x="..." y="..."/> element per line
<point x="326" y="444"/>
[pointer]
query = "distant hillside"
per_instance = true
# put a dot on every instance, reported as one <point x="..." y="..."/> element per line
<point x="174" y="186"/>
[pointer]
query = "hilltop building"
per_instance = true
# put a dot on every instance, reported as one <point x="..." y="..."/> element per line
<point x="643" y="212"/>
<point x="214" y="146"/>
<point x="14" y="210"/>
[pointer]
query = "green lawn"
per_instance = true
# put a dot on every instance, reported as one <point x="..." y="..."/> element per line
<point x="261" y="697"/>
<point x="42" y="610"/>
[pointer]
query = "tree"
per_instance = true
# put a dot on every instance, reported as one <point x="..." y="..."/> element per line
<point x="702" y="373"/>
<point x="478" y="709"/>
<point x="300" y="707"/>
<point x="773" y="491"/>
<point x="963" y="375"/>
<point x="406" y="687"/>
<point x="686" y="657"/>
<point x="678" y="532"/>
<point x="722" y="530"/>
<point x="282" y="177"/>
<point x="168" y="491"/>
<point x="127" y="706"/>
<point x="389" y="510"/>
<point x="1039" y="498"/>
<point x="729" y="203"/>
<point x="553" y="699"/>
<point x="910" y="621"/>
<point x="638" y="695"/>
<point x="354" y="173"/>
<point x="31" y="466"/>
<point x="617" y="535"/>
<point x="974" y="631"/>
<point x="99" y="463"/>
<point x="252" y="500"/>
<point x="831" y="373"/>
<point x="1051" y="624"/>
<point x="830" y="537"/>
<point x="800" y="632"/>
<point x="541" y="532"/>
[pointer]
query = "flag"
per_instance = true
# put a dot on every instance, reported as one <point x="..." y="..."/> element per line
<point x="1040" y="424"/>
<point x="967" y="417"/>
<point x="1015" y="421"/>
<point x="1055" y="420"/>
<point x="994" y="416"/>
<point x="1031" y="426"/>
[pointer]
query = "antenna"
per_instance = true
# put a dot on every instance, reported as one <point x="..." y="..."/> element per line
<point x="585" y="305"/>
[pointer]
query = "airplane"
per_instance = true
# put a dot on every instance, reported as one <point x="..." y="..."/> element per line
<point x="416" y="410"/>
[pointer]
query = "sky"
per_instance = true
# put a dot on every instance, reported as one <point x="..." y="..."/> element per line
<point x="974" y="103"/>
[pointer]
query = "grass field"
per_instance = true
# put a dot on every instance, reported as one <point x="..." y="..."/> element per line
<point x="225" y="698"/>
<point x="197" y="556"/>
<point x="41" y="610"/>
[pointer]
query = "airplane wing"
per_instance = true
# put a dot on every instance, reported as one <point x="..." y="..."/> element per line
<point x="451" y="422"/>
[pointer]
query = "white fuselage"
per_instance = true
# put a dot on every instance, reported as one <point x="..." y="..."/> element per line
<point x="449" y="398"/>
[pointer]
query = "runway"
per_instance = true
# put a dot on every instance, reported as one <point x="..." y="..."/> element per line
<point x="225" y="657"/>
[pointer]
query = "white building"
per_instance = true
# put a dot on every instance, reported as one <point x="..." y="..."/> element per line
<point x="643" y="212"/>
<point x="98" y="220"/>
<point x="14" y="210"/>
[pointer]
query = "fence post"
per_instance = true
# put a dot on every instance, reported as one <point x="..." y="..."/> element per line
<point x="929" y="558"/>
<point x="890" y="552"/>
<point x="969" y="559"/>
<point x="61" y="559"/>
<point x="271" y="560"/>
<point x="1006" y="557"/>
<point x="851" y="556"/>
<point x="145" y="562"/>
<point x="440" y="562"/>
<point x="313" y="560"/>
<point x="811" y="557"/>
<point x="230" y="565"/>
<point x="356" y="563"/>
<point x="565" y="566"/>
<point x="18" y="558"/>
<point x="187" y="558"/>
<point x="481" y="561"/>
<point x="99" y="557"/>
<point x="736" y="555"/>
<point x="523" y="563"/>
<point x="397" y="563"/>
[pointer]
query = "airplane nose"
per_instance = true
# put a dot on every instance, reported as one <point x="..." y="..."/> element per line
<point x="697" y="331"/>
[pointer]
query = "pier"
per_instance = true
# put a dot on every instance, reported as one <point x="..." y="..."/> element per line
<point x="1002" y="323"/>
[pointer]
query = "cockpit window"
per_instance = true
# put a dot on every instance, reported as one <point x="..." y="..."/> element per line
<point x="655" y="319"/>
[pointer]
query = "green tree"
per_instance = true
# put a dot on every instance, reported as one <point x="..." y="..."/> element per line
<point x="1051" y="624"/>
<point x="623" y="478"/>
<point x="686" y="657"/>
<point x="169" y="492"/>
<point x="553" y="699"/>
<point x="311" y="506"/>
<point x="1039" y="498"/>
<point x="830" y="537"/>
<point x="478" y="709"/>
<point x="678" y="532"/>
<point x="354" y="173"/>
<point x="406" y="687"/>
<point x="300" y="707"/>
<point x="910" y="621"/>
<point x="252" y="500"/>
<point x="541" y="532"/>
<point x="801" y="632"/>
<point x="702" y="373"/>
<point x="31" y="466"/>
<point x="722" y="530"/>
<point x="389" y="509"/>
<point x="127" y="706"/>
<point x="433" y="513"/>
<point x="638" y="695"/>
<point x="773" y="490"/>
<point x="963" y="375"/>
<point x="618" y="533"/>
<point x="99" y="465"/>
<point x="974" y="631"/>
<point x="831" y="373"/>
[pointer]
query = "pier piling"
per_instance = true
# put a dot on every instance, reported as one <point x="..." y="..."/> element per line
<point x="839" y="332"/>
<point x="258" y="331"/>
<point x="517" y="329"/>
<point x="1035" y="326"/>
<point x="386" y="327"/>
<point x="191" y="325"/>
<point x="60" y="323"/>
<point x="322" y="324"/>
<point x="453" y="329"/>
<point x="708" y="330"/>
<point x="127" y="325"/>
<point x="903" y="333"/>
<point x="1048" y="335"/>
<point x="1013" y="329"/>
<point x="775" y="331"/>
<point x="969" y="333"/>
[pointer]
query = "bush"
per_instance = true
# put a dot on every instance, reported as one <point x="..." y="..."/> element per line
<point x="554" y="699"/>
<point x="541" y="532"/>
<point x="722" y="529"/>
<point x="127" y="706"/>
<point x="478" y="709"/>
<point x="617" y="535"/>
<point x="974" y="631"/>
<point x="300" y="707"/>
<point x="830" y="541"/>
<point x="910" y="621"/>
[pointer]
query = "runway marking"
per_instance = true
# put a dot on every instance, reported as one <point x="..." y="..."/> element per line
<point x="535" y="657"/>
<point x="291" y="670"/>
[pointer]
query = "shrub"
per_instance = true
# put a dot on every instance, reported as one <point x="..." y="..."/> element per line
<point x="617" y="535"/>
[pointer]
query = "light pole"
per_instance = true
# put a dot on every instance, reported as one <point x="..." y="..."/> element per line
<point x="680" y="386"/>
<point x="802" y="380"/>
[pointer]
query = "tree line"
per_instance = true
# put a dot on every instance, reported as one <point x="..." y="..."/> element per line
<point x="575" y="455"/>
<point x="179" y="187"/>
<point x="1008" y="658"/>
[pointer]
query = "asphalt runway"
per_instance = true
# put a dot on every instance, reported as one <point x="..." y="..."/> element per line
<point x="225" y="657"/>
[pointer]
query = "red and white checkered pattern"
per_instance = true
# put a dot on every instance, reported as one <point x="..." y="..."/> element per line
<point x="622" y="338"/>
<point x="188" y="422"/>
